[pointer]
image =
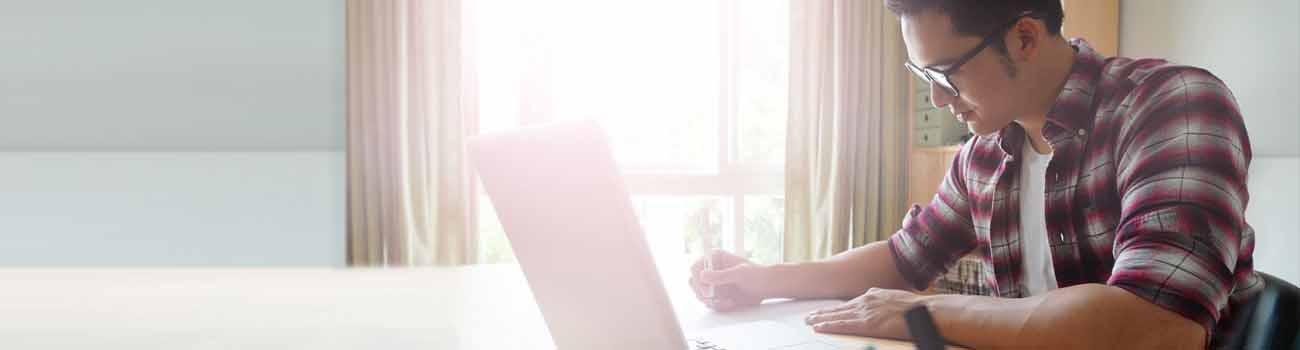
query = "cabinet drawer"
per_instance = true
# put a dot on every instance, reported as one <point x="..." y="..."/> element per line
<point x="928" y="137"/>
<point x="947" y="135"/>
<point x="921" y="100"/>
<point x="930" y="118"/>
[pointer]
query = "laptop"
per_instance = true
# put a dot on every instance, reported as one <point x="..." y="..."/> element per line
<point x="563" y="205"/>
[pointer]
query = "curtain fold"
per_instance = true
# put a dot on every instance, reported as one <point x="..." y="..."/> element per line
<point x="407" y="179"/>
<point x="846" y="134"/>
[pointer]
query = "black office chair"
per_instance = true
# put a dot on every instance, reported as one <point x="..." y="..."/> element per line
<point x="1271" y="320"/>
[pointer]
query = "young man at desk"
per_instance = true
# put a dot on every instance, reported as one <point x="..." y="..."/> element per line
<point x="1105" y="197"/>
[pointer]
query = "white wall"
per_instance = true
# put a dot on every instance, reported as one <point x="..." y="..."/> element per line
<point x="162" y="132"/>
<point x="1274" y="213"/>
<point x="1254" y="46"/>
<point x="171" y="75"/>
<point x="172" y="208"/>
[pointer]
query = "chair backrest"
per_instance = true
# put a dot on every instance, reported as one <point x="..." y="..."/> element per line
<point x="1271" y="320"/>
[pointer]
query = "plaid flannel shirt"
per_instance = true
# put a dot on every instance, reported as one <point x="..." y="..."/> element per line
<point x="1146" y="191"/>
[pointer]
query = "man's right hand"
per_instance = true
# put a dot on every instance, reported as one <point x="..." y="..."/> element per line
<point x="737" y="282"/>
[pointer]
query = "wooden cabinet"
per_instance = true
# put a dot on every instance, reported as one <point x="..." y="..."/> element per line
<point x="935" y="136"/>
<point x="925" y="170"/>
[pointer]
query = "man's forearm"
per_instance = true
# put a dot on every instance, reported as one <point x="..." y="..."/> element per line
<point x="843" y="276"/>
<point x="1090" y="316"/>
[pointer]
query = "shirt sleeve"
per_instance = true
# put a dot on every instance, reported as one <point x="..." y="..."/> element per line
<point x="933" y="237"/>
<point x="1182" y="168"/>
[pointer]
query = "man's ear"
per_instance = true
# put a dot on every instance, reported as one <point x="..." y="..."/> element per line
<point x="1024" y="39"/>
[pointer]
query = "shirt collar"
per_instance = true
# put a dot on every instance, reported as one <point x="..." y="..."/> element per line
<point x="1072" y="113"/>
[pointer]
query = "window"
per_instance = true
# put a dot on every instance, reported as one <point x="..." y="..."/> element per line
<point x="692" y="92"/>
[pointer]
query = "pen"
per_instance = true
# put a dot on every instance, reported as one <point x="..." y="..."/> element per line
<point x="709" y="292"/>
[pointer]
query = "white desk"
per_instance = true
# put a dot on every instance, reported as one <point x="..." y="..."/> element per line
<point x="477" y="307"/>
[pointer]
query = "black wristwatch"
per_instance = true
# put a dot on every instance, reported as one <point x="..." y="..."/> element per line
<point x="924" y="333"/>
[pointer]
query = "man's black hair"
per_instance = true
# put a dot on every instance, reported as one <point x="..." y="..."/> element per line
<point x="980" y="17"/>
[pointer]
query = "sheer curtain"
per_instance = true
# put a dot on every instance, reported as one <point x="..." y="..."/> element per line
<point x="407" y="181"/>
<point x="846" y="134"/>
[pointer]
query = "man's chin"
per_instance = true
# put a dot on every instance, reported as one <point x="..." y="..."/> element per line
<point x="982" y="129"/>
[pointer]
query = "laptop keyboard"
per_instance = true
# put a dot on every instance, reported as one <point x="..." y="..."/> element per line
<point x="697" y="344"/>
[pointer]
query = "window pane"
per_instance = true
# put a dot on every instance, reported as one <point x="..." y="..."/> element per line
<point x="650" y="73"/>
<point x="764" y="226"/>
<point x="496" y="52"/>
<point x="761" y="75"/>
<point x="677" y="227"/>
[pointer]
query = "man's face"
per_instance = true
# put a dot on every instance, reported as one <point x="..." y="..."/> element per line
<point x="988" y="100"/>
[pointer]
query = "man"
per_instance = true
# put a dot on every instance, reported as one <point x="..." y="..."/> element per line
<point x="1104" y="195"/>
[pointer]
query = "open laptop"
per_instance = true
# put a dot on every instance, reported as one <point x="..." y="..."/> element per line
<point x="563" y="205"/>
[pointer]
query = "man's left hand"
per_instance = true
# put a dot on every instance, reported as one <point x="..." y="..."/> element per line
<point x="876" y="313"/>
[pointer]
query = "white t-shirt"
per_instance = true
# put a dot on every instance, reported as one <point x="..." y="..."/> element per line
<point x="1036" y="256"/>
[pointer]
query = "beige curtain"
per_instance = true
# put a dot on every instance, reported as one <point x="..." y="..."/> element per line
<point x="407" y="182"/>
<point x="846" y="136"/>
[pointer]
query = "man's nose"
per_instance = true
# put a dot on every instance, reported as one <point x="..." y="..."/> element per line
<point x="939" y="95"/>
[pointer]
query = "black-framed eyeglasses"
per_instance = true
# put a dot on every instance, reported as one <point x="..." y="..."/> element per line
<point x="932" y="75"/>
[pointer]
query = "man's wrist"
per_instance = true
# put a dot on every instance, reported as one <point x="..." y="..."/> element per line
<point x="766" y="277"/>
<point x="947" y="312"/>
<point x="773" y="278"/>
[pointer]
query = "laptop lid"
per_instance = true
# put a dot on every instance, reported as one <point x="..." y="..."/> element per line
<point x="562" y="202"/>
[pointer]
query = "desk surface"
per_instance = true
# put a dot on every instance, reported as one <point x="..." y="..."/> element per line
<point x="476" y="307"/>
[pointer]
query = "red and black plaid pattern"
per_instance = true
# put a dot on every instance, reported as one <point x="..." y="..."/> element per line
<point x="1146" y="191"/>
